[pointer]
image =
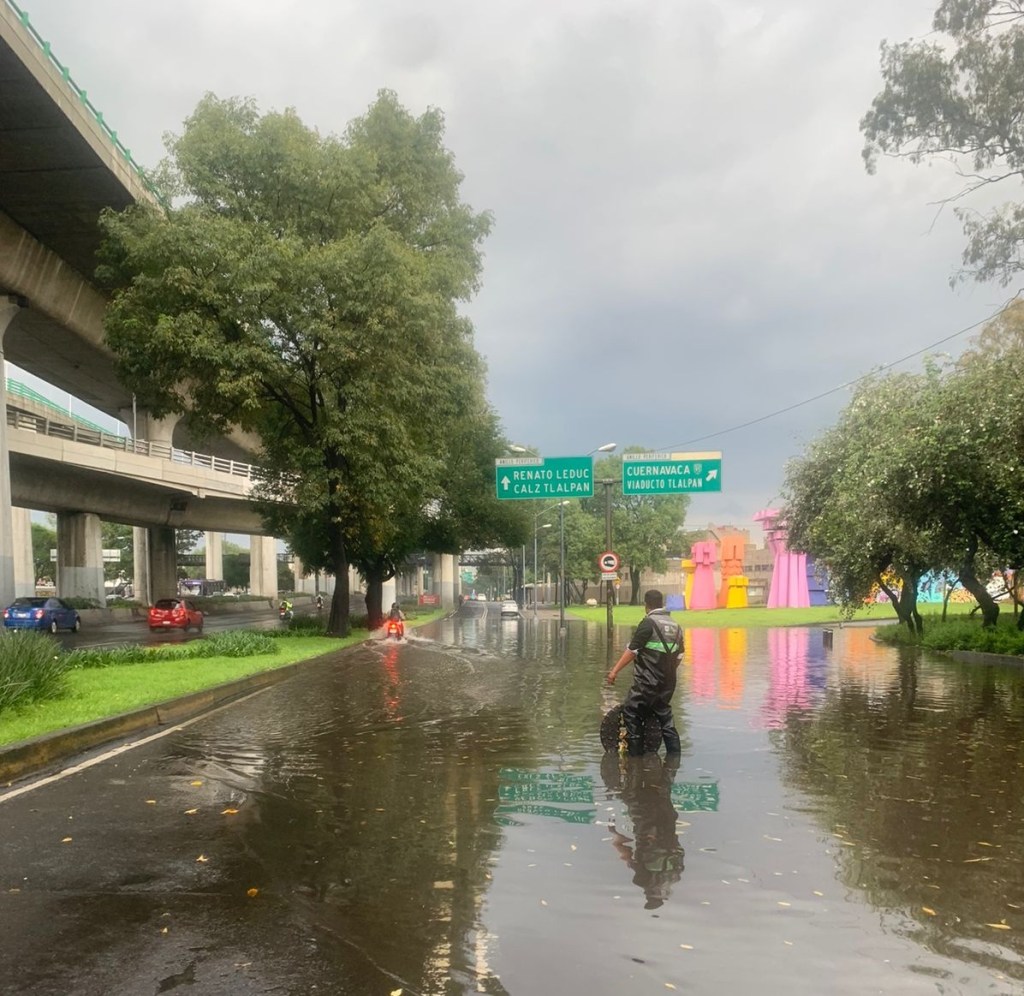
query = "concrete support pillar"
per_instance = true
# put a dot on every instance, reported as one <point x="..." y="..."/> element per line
<point x="298" y="581"/>
<point x="9" y="308"/>
<point x="163" y="563"/>
<point x="80" y="556"/>
<point x="24" y="563"/>
<point x="263" y="566"/>
<point x="443" y="570"/>
<point x="141" y="587"/>
<point x="215" y="556"/>
<point x="142" y="425"/>
<point x="389" y="594"/>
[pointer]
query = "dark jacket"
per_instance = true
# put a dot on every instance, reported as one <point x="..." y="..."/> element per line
<point x="658" y="643"/>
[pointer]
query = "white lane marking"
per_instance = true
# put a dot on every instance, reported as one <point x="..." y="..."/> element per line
<point x="114" y="752"/>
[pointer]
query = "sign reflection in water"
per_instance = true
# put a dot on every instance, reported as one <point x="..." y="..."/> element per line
<point x="643" y="825"/>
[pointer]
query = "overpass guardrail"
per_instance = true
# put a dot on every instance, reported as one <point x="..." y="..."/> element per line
<point x="83" y="98"/>
<point x="94" y="437"/>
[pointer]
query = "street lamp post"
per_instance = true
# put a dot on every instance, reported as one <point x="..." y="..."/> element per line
<point x="561" y="567"/>
<point x="547" y="525"/>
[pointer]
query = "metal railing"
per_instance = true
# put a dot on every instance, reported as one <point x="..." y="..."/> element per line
<point x="83" y="99"/>
<point x="95" y="437"/>
<point x="17" y="389"/>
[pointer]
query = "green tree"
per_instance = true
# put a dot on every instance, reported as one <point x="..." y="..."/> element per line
<point x="959" y="95"/>
<point x="921" y="473"/>
<point x="185" y="540"/>
<point x="584" y="541"/>
<point x="306" y="289"/>
<point x="845" y="500"/>
<point x="44" y="539"/>
<point x="118" y="536"/>
<point x="646" y="529"/>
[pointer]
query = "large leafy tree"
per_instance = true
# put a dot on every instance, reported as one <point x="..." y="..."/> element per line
<point x="846" y="499"/>
<point x="306" y="288"/>
<point x="959" y="95"/>
<point x="920" y="473"/>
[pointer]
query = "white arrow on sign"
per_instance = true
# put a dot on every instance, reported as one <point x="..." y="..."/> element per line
<point x="712" y="474"/>
<point x="505" y="482"/>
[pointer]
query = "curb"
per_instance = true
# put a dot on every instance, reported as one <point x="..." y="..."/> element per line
<point x="28" y="757"/>
<point x="980" y="657"/>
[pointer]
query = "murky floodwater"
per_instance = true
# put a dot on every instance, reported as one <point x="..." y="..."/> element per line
<point x="438" y="817"/>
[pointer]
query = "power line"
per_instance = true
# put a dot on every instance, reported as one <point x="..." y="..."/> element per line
<point x="842" y="387"/>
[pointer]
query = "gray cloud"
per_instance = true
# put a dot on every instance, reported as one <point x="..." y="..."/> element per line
<point x="685" y="236"/>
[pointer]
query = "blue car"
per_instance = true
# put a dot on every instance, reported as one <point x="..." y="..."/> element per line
<point x="41" y="613"/>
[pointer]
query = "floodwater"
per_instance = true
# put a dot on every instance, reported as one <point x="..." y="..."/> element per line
<point x="438" y="817"/>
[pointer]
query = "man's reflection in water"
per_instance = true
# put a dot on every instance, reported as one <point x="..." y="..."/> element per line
<point x="653" y="851"/>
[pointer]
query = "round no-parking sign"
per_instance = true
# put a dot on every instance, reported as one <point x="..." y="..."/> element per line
<point x="608" y="562"/>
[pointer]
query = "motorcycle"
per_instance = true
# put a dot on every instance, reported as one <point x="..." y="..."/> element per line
<point x="285" y="614"/>
<point x="395" y="629"/>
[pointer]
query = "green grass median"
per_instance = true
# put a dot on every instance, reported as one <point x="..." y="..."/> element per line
<point x="97" y="693"/>
<point x="759" y="617"/>
<point x="88" y="685"/>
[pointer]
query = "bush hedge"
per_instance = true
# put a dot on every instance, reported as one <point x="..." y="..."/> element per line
<point x="960" y="634"/>
<point x="31" y="668"/>
<point x="232" y="643"/>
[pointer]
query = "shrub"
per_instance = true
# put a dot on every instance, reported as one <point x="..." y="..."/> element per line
<point x="960" y="634"/>
<point x="111" y="656"/>
<point x="84" y="603"/>
<point x="31" y="668"/>
<point x="306" y="625"/>
<point x="235" y="643"/>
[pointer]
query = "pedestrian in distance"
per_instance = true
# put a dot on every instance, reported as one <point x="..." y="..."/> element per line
<point x="654" y="651"/>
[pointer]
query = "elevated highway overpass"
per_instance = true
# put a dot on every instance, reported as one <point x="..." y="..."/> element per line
<point x="61" y="164"/>
<point x="85" y="475"/>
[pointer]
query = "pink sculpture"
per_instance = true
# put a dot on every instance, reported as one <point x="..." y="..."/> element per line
<point x="789" y="575"/>
<point x="703" y="555"/>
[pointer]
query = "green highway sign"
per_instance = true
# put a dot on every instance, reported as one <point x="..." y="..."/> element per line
<point x="671" y="473"/>
<point x="544" y="477"/>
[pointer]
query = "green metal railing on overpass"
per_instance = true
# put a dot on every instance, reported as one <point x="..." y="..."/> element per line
<point x="16" y="389"/>
<point x="83" y="99"/>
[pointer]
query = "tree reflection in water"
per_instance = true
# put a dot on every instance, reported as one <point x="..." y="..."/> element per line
<point x="919" y="782"/>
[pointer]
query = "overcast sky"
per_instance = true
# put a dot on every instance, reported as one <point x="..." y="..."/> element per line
<point x="685" y="237"/>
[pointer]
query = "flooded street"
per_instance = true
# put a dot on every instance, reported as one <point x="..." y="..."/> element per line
<point x="438" y="817"/>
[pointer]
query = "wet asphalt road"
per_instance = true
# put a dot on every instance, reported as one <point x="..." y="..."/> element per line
<point x="137" y="631"/>
<point x="437" y="817"/>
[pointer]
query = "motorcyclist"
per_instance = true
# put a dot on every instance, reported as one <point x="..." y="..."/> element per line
<point x="319" y="603"/>
<point x="396" y="612"/>
<point x="286" y="607"/>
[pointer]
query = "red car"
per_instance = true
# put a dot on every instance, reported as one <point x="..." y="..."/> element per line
<point x="175" y="613"/>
